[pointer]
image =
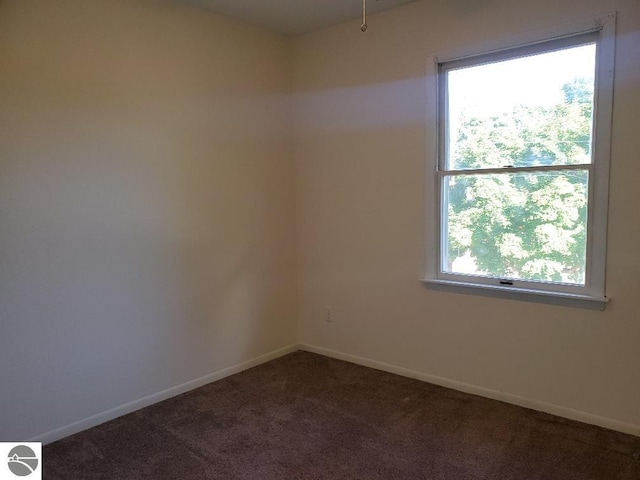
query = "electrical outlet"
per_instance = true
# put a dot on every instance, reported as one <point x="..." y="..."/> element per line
<point x="328" y="314"/>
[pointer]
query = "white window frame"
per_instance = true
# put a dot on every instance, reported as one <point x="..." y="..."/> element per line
<point x="592" y="295"/>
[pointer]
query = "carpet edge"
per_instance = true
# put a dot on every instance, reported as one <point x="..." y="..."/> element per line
<point x="129" y="407"/>
<point x="553" y="409"/>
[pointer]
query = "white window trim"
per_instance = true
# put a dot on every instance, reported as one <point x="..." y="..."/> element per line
<point x="592" y="295"/>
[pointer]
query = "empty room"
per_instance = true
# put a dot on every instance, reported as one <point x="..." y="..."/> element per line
<point x="320" y="239"/>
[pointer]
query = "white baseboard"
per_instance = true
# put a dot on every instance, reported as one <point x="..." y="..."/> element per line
<point x="557" y="410"/>
<point x="121" y="410"/>
<point x="116" y="412"/>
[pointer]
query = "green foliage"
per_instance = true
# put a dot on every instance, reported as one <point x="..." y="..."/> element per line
<point x="529" y="225"/>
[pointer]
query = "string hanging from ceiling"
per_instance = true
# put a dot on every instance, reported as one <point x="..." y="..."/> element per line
<point x="363" y="27"/>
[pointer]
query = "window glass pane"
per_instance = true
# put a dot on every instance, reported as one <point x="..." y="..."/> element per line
<point x="528" y="111"/>
<point x="528" y="226"/>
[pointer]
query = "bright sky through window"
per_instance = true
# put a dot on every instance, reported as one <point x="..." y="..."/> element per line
<point x="535" y="80"/>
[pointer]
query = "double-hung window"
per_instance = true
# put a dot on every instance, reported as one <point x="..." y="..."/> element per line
<point x="520" y="179"/>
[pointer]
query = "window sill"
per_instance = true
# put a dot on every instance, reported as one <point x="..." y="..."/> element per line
<point x="509" y="293"/>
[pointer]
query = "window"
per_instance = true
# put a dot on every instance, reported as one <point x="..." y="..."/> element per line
<point x="521" y="175"/>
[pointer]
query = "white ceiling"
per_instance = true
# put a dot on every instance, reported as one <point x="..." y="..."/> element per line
<point x="295" y="17"/>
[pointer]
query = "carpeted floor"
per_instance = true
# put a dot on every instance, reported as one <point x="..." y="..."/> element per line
<point x="305" y="416"/>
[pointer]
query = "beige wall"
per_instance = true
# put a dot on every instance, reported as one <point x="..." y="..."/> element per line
<point x="360" y="153"/>
<point x="146" y="203"/>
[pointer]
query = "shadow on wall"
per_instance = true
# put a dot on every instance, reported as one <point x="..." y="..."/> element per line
<point x="147" y="210"/>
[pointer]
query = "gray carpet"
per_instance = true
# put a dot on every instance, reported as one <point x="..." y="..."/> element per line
<point x="305" y="416"/>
